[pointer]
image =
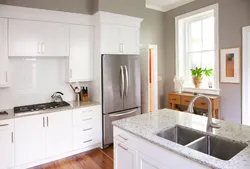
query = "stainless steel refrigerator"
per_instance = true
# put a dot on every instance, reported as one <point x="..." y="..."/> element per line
<point x="121" y="91"/>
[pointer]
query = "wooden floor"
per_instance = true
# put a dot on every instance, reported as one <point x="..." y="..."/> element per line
<point x="94" y="159"/>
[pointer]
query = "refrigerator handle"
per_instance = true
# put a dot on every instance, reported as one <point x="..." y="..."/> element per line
<point x="127" y="80"/>
<point x="124" y="113"/>
<point x="122" y="81"/>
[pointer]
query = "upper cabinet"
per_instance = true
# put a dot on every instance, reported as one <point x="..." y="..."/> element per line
<point x="35" y="38"/>
<point x="4" y="68"/>
<point x="116" y="39"/>
<point x="81" y="53"/>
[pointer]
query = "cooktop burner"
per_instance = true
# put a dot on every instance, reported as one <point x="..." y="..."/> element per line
<point x="38" y="107"/>
<point x="3" y="113"/>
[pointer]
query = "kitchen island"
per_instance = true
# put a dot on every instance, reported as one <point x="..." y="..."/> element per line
<point x="138" y="145"/>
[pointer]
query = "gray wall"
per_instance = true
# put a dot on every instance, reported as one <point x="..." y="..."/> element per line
<point x="75" y="6"/>
<point x="233" y="15"/>
<point x="152" y="30"/>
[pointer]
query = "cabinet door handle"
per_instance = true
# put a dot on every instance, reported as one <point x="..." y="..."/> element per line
<point x="122" y="47"/>
<point x="87" y="141"/>
<point x="12" y="137"/>
<point x="87" y="129"/>
<point x="43" y="122"/>
<point x="70" y="73"/>
<point x="47" y="121"/>
<point x="39" y="48"/>
<point x="124" y="148"/>
<point x="87" y="119"/>
<point x="43" y="48"/>
<point x="3" y="125"/>
<point x="126" y="139"/>
<point x="6" y="76"/>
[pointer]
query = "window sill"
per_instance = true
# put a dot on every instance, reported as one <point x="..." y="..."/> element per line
<point x="203" y="91"/>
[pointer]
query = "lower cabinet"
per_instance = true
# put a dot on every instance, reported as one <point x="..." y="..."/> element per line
<point x="124" y="157"/>
<point x="145" y="162"/>
<point x="30" y="138"/>
<point x="6" y="144"/>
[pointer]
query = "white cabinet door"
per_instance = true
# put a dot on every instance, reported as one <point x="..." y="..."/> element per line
<point x="4" y="68"/>
<point x="59" y="133"/>
<point x="145" y="162"/>
<point x="124" y="156"/>
<point x="130" y="40"/>
<point x="110" y="39"/>
<point x="55" y="39"/>
<point x="35" y="38"/>
<point x="81" y="53"/>
<point x="6" y="145"/>
<point x="29" y="139"/>
<point x="25" y="38"/>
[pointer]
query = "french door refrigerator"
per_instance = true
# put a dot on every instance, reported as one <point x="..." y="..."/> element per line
<point x="121" y="91"/>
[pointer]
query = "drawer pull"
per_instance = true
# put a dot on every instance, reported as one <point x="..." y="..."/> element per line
<point x="87" y="111"/>
<point x="126" y="149"/>
<point x="174" y="99"/>
<point x="87" y="119"/>
<point x="87" y="129"/>
<point x="126" y="139"/>
<point x="187" y="101"/>
<point x="87" y="141"/>
<point x="203" y="104"/>
<point x="3" y="125"/>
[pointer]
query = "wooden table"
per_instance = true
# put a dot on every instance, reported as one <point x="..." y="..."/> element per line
<point x="184" y="99"/>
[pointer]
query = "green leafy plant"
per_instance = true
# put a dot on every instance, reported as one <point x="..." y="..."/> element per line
<point x="198" y="71"/>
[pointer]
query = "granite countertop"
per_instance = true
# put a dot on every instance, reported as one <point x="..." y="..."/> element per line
<point x="147" y="125"/>
<point x="73" y="105"/>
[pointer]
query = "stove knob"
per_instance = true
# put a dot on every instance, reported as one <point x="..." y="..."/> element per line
<point x="37" y="109"/>
<point x="55" y="106"/>
<point x="32" y="110"/>
<point x="44" y="108"/>
<point x="51" y="107"/>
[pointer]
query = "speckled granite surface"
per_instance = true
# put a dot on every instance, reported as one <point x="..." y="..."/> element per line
<point x="147" y="125"/>
<point x="74" y="105"/>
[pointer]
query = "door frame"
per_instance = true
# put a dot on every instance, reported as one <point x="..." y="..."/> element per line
<point x="155" y="77"/>
<point x="245" y="76"/>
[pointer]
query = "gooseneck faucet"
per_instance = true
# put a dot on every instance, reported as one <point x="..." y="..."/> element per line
<point x="210" y="123"/>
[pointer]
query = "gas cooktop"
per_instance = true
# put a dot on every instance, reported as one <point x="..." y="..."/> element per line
<point x="39" y="107"/>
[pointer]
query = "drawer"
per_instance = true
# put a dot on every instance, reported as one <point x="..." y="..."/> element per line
<point x="201" y="103"/>
<point x="175" y="99"/>
<point x="185" y="100"/>
<point x="83" y="132"/>
<point x="81" y="116"/>
<point x="6" y="125"/>
<point x="124" y="137"/>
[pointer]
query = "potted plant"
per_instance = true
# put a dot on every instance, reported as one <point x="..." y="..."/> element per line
<point x="197" y="74"/>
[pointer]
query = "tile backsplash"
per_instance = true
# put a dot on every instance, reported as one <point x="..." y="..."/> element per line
<point x="34" y="80"/>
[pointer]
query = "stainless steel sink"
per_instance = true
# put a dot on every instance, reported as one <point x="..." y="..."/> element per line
<point x="217" y="147"/>
<point x="180" y="135"/>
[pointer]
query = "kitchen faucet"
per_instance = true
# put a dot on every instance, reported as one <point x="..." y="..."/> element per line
<point x="210" y="123"/>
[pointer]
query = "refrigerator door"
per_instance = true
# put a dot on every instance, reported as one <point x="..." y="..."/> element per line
<point x="112" y="83"/>
<point x="109" y="118"/>
<point x="132" y="91"/>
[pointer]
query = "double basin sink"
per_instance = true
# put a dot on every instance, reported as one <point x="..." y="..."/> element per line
<point x="211" y="145"/>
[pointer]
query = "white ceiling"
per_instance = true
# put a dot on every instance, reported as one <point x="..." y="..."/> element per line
<point x="165" y="5"/>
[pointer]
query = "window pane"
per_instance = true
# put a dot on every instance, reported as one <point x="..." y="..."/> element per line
<point x="195" y="60"/>
<point x="208" y="33"/>
<point x="208" y="60"/>
<point x="195" y="36"/>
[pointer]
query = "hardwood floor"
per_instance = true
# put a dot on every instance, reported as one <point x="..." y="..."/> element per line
<point x="94" y="159"/>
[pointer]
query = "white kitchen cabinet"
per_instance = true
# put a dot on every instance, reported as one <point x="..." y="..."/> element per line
<point x="59" y="133"/>
<point x="36" y="38"/>
<point x="4" y="68"/>
<point x="30" y="139"/>
<point x="124" y="156"/>
<point x="81" y="53"/>
<point x="144" y="162"/>
<point x="6" y="144"/>
<point x="116" y="39"/>
<point x="87" y="127"/>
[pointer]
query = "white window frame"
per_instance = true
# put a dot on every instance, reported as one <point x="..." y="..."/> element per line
<point x="179" y="28"/>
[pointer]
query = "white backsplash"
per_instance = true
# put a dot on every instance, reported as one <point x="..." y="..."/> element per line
<point x="34" y="80"/>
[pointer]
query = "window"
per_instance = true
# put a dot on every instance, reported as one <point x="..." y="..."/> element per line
<point x="196" y="46"/>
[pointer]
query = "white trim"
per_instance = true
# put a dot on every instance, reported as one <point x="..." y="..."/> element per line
<point x="167" y="7"/>
<point x="203" y="91"/>
<point x="245" y="76"/>
<point x="16" y="12"/>
<point x="215" y="8"/>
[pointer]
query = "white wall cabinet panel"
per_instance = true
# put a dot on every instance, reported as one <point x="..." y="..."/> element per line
<point x="35" y="38"/>
<point x="30" y="142"/>
<point x="145" y="162"/>
<point x="124" y="156"/>
<point x="81" y="53"/>
<point x="59" y="133"/>
<point x="116" y="39"/>
<point x="6" y="144"/>
<point x="4" y="68"/>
